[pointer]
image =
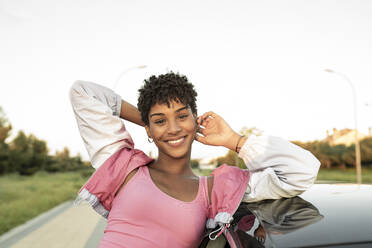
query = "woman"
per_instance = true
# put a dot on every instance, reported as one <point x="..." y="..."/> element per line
<point x="161" y="202"/>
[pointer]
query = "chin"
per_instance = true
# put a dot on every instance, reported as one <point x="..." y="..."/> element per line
<point x="176" y="153"/>
<point x="179" y="155"/>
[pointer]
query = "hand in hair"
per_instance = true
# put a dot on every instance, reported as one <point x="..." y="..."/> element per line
<point x="217" y="132"/>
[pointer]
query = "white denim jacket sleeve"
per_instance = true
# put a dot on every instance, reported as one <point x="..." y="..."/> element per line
<point x="278" y="168"/>
<point x="97" y="110"/>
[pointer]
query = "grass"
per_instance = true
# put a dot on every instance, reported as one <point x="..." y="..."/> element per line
<point x="200" y="172"/>
<point x="24" y="197"/>
<point x="346" y="175"/>
<point x="327" y="175"/>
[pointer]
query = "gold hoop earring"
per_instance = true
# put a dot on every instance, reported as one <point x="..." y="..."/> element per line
<point x="150" y="140"/>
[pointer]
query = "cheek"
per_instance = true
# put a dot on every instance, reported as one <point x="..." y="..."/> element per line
<point x="191" y="126"/>
<point x="156" y="132"/>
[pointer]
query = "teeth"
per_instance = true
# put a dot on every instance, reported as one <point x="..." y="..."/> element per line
<point x="175" y="141"/>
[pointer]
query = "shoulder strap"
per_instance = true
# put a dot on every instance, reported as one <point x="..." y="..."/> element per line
<point x="204" y="184"/>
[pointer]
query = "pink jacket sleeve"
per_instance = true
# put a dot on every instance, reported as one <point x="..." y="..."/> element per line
<point x="109" y="145"/>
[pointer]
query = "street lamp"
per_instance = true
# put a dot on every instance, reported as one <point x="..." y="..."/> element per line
<point x="357" y="146"/>
<point x="125" y="71"/>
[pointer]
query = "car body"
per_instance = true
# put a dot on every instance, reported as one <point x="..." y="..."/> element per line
<point x="327" y="215"/>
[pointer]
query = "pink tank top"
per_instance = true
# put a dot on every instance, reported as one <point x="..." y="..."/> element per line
<point x="144" y="216"/>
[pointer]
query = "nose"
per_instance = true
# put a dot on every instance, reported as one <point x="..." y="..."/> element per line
<point x="174" y="127"/>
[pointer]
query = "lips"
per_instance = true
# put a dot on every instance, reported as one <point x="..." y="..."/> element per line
<point x="176" y="142"/>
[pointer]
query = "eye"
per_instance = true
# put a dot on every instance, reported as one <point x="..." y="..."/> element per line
<point x="183" y="116"/>
<point x="159" y="121"/>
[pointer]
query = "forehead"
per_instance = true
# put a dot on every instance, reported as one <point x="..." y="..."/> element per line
<point x="164" y="108"/>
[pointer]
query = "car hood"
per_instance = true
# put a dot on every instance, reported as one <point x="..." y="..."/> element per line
<point x="325" y="215"/>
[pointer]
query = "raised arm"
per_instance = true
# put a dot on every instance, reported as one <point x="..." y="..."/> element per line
<point x="98" y="110"/>
<point x="277" y="167"/>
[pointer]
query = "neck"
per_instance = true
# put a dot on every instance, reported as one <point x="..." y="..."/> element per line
<point x="173" y="166"/>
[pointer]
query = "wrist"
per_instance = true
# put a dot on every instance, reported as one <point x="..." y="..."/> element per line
<point x="233" y="141"/>
<point x="240" y="144"/>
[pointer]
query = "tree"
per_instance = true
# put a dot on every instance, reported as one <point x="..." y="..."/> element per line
<point x="366" y="150"/>
<point x="4" y="158"/>
<point x="62" y="161"/>
<point x="340" y="156"/>
<point x="5" y="128"/>
<point x="28" y="153"/>
<point x="231" y="157"/>
<point x="20" y="153"/>
<point x="249" y="131"/>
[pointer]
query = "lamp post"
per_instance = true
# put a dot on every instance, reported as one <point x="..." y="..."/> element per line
<point x="357" y="146"/>
<point x="125" y="71"/>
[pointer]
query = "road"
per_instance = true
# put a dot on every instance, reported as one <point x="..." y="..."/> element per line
<point x="63" y="226"/>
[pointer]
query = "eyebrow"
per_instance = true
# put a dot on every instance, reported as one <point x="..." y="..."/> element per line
<point x="178" y="110"/>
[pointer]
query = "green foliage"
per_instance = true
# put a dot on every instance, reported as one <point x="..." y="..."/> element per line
<point x="231" y="158"/>
<point x="249" y="131"/>
<point x="26" y="154"/>
<point x="347" y="175"/>
<point x="23" y="198"/>
<point x="194" y="163"/>
<point x="4" y="158"/>
<point x="62" y="161"/>
<point x="339" y="156"/>
<point x="366" y="150"/>
<point x="5" y="127"/>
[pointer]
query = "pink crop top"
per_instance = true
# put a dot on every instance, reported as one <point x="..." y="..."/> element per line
<point x="144" y="216"/>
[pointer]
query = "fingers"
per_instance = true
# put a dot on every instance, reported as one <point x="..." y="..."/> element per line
<point x="200" y="139"/>
<point x="202" y="131"/>
<point x="200" y="135"/>
<point x="206" y="118"/>
<point x="206" y="121"/>
<point x="209" y="114"/>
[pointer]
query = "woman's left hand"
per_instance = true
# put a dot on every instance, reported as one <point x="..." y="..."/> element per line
<point x="215" y="131"/>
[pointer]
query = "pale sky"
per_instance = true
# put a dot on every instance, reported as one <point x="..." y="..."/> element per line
<point x="256" y="63"/>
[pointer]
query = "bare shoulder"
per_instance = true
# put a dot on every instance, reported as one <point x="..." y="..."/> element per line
<point x="130" y="175"/>
<point x="127" y="179"/>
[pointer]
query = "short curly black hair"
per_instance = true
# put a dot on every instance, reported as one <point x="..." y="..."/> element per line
<point x="163" y="89"/>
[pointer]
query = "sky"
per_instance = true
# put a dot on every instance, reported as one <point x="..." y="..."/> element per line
<point x="256" y="63"/>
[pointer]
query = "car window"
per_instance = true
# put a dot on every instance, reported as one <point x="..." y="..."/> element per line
<point x="220" y="242"/>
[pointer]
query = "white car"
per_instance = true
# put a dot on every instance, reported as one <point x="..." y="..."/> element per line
<point x="327" y="215"/>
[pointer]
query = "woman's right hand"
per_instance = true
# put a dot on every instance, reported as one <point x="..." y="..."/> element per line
<point x="215" y="131"/>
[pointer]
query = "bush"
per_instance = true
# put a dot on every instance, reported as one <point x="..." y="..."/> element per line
<point x="4" y="158"/>
<point x="28" y="154"/>
<point x="194" y="163"/>
<point x="87" y="172"/>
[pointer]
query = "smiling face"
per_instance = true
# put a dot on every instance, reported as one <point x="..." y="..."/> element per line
<point x="172" y="128"/>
